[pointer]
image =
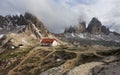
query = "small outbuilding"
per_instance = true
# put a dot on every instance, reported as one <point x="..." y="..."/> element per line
<point x="49" y="42"/>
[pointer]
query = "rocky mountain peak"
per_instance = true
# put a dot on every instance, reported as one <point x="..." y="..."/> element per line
<point x="94" y="26"/>
<point x="22" y="23"/>
<point x="31" y="29"/>
<point x="3" y="21"/>
<point x="105" y="30"/>
<point x="37" y="23"/>
<point x="81" y="27"/>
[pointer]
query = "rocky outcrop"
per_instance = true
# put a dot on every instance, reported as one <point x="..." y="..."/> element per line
<point x="71" y="29"/>
<point x="105" y="30"/>
<point x="81" y="27"/>
<point x="76" y="29"/>
<point x="21" y="20"/>
<point x="31" y="29"/>
<point x="3" y="22"/>
<point x="12" y="20"/>
<point x="10" y="24"/>
<point x="84" y="69"/>
<point x="107" y="69"/>
<point x="94" y="26"/>
<point x="36" y="26"/>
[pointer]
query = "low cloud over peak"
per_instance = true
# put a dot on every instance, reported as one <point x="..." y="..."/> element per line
<point x="58" y="14"/>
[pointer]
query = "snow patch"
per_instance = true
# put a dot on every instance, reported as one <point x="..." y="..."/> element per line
<point x="110" y="37"/>
<point x="81" y="36"/>
<point x="72" y="34"/>
<point x="1" y="36"/>
<point x="1" y="28"/>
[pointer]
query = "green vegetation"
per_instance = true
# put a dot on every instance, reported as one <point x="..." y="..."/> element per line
<point x="6" y="54"/>
<point x="15" y="53"/>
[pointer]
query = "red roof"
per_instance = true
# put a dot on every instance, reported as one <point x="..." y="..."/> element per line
<point x="47" y="40"/>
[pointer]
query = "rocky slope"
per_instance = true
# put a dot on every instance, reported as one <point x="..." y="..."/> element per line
<point x="103" y="62"/>
<point x="17" y="23"/>
<point x="15" y="30"/>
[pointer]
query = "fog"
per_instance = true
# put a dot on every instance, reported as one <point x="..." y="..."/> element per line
<point x="58" y="14"/>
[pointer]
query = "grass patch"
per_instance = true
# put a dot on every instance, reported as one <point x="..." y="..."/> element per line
<point x="14" y="53"/>
<point x="32" y="60"/>
<point x="6" y="54"/>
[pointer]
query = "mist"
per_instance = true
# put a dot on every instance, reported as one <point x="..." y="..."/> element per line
<point x="58" y="14"/>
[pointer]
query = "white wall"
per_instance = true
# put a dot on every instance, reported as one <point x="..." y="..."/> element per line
<point x="55" y="43"/>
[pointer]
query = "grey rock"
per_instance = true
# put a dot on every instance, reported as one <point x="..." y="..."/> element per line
<point x="94" y="26"/>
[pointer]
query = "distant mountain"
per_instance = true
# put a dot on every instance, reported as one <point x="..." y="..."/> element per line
<point x="95" y="31"/>
<point x="76" y="29"/>
<point x="96" y="27"/>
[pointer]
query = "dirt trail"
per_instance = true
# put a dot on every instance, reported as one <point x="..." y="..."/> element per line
<point x="69" y="64"/>
<point x="47" y="56"/>
<point x="11" y="72"/>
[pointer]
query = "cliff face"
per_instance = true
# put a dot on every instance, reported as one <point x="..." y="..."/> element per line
<point x="36" y="22"/>
<point x="81" y="27"/>
<point x="105" y="30"/>
<point x="34" y="26"/>
<point x="96" y="27"/>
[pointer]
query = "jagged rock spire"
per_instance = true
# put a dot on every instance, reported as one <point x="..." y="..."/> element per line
<point x="94" y="26"/>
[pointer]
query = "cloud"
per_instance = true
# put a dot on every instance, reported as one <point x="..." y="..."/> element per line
<point x="58" y="14"/>
<point x="10" y="7"/>
<point x="55" y="14"/>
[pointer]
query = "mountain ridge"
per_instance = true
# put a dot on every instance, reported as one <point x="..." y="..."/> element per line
<point x="94" y="27"/>
<point x="22" y="23"/>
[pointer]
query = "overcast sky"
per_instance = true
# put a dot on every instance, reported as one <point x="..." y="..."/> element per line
<point x="58" y="14"/>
